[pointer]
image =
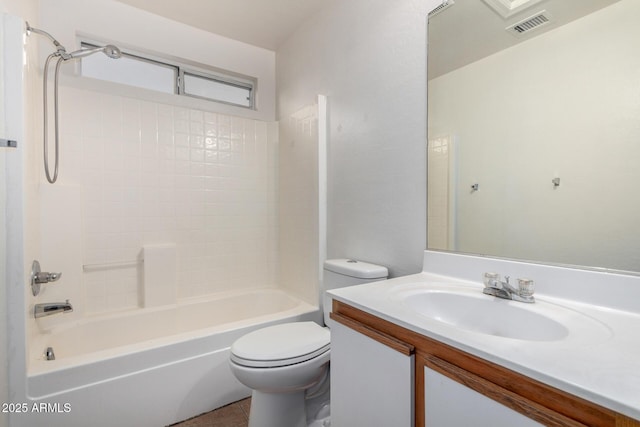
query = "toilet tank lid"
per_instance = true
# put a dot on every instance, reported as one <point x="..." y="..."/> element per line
<point x="358" y="269"/>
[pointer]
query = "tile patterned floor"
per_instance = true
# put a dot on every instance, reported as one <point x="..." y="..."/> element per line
<point x="233" y="415"/>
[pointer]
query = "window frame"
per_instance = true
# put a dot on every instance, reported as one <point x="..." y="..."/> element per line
<point x="200" y="71"/>
<point x="226" y="80"/>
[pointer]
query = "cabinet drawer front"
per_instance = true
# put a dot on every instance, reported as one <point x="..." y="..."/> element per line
<point x="388" y="340"/>
<point x="522" y="405"/>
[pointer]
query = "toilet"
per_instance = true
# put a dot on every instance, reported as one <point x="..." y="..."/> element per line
<point x="287" y="365"/>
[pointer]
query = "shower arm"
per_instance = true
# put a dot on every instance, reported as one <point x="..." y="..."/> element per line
<point x="110" y="50"/>
<point x="60" y="50"/>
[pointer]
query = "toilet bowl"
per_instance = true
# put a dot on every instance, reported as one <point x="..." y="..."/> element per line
<point x="279" y="363"/>
<point x="287" y="365"/>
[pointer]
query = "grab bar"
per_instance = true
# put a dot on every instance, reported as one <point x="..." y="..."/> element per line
<point x="111" y="265"/>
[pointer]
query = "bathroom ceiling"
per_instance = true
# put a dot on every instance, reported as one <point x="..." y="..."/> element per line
<point x="263" y="23"/>
<point x="470" y="30"/>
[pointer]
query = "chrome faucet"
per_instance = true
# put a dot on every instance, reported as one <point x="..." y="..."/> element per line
<point x="503" y="289"/>
<point x="47" y="309"/>
<point x="39" y="277"/>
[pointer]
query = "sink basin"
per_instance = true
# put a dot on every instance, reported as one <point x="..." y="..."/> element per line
<point x="488" y="315"/>
<point x="468" y="309"/>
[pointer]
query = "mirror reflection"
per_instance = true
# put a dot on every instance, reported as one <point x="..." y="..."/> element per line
<point x="534" y="131"/>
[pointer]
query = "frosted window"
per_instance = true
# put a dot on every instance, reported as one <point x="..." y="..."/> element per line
<point x="204" y="87"/>
<point x="132" y="71"/>
<point x="172" y="77"/>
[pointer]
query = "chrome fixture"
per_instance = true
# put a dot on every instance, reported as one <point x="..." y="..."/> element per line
<point x="494" y="286"/>
<point x="39" y="277"/>
<point x="8" y="143"/>
<point x="556" y="182"/>
<point x="61" y="55"/>
<point x="110" y="50"/>
<point x="112" y="265"/>
<point x="49" y="354"/>
<point x="47" y="309"/>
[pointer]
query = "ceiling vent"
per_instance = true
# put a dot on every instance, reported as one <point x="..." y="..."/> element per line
<point x="446" y="4"/>
<point x="531" y="23"/>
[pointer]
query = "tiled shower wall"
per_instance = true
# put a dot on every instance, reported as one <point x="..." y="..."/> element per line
<point x="152" y="173"/>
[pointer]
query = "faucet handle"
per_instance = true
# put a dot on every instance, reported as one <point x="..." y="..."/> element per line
<point x="39" y="277"/>
<point x="46" y="277"/>
<point x="525" y="287"/>
<point x="491" y="279"/>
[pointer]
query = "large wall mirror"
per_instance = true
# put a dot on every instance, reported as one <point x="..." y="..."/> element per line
<point x="534" y="130"/>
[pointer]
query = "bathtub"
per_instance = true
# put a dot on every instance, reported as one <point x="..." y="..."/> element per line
<point x="148" y="367"/>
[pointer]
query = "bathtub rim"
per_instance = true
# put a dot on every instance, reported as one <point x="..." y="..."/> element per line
<point x="78" y="371"/>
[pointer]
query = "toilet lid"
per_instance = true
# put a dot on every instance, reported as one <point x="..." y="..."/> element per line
<point x="281" y="345"/>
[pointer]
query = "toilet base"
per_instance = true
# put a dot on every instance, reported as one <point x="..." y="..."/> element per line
<point x="318" y="399"/>
<point x="304" y="408"/>
<point x="278" y="409"/>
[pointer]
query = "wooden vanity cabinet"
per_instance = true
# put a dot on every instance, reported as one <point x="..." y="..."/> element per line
<point x="485" y="383"/>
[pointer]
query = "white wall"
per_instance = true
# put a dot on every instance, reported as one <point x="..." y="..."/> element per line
<point x="574" y="130"/>
<point x="369" y="58"/>
<point x="12" y="204"/>
<point x="4" y="343"/>
<point x="127" y="26"/>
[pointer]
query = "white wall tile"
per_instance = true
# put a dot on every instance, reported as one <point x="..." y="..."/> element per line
<point x="154" y="174"/>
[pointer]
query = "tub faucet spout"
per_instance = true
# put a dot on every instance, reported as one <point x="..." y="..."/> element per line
<point x="47" y="309"/>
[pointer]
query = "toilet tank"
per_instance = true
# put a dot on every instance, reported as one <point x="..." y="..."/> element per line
<point x="339" y="273"/>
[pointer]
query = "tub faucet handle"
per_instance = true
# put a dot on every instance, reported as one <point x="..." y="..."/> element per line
<point x="39" y="277"/>
<point x="46" y="277"/>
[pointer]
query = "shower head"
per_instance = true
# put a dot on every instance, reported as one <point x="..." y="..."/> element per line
<point x="110" y="50"/>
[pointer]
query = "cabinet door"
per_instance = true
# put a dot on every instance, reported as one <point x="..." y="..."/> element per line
<point x="371" y="383"/>
<point x="451" y="404"/>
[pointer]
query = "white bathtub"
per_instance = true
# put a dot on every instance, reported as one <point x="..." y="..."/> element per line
<point x="148" y="367"/>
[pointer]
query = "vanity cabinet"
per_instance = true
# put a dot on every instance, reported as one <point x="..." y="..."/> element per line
<point x="456" y="397"/>
<point x="371" y="373"/>
<point x="447" y="382"/>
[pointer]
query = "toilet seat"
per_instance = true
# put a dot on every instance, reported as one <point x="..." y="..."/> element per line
<point x="281" y="345"/>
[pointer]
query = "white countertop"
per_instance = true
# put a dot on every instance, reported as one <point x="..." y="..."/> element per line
<point x="602" y="367"/>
